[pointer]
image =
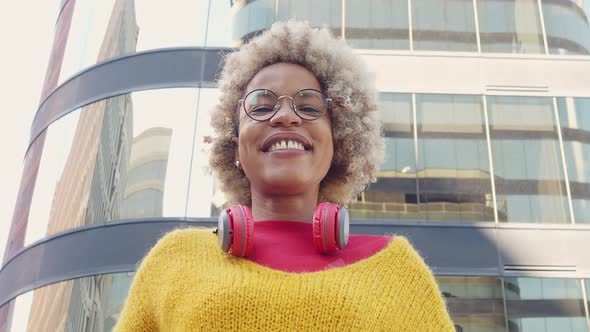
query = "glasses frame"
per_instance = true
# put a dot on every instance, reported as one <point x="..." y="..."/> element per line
<point x="277" y="107"/>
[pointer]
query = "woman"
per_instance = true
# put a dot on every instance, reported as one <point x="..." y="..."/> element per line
<point x="296" y="127"/>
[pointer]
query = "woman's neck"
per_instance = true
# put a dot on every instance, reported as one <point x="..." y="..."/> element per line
<point x="284" y="208"/>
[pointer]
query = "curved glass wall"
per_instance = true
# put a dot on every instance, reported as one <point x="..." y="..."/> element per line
<point x="567" y="27"/>
<point x="104" y="29"/>
<point x="528" y="171"/>
<point x="84" y="304"/>
<point x="574" y="118"/>
<point x="475" y="303"/>
<point x="123" y="157"/>
<point x="204" y="197"/>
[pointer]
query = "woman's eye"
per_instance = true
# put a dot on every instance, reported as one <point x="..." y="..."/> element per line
<point x="308" y="110"/>
<point x="261" y="110"/>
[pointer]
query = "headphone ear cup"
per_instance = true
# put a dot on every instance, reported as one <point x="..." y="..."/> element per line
<point x="342" y="228"/>
<point x="224" y="230"/>
<point x="325" y="227"/>
<point x="240" y="233"/>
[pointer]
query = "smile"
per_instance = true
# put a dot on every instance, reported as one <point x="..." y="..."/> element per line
<point x="286" y="145"/>
<point x="286" y="142"/>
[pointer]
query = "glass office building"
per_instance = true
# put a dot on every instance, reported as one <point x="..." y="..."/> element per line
<point x="486" y="112"/>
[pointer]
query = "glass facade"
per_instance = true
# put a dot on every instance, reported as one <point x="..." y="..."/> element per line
<point x="380" y="24"/>
<point x="460" y="157"/>
<point x="529" y="174"/>
<point x="113" y="160"/>
<point x="453" y="167"/>
<point x="567" y="27"/>
<point x="504" y="26"/>
<point x="574" y="119"/>
<point x="443" y="25"/>
<point x="437" y="167"/>
<point x="510" y="26"/>
<point x="83" y="304"/>
<point x="536" y="304"/>
<point x="124" y="157"/>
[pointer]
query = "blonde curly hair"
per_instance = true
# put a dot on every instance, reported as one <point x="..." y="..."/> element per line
<point x="358" y="143"/>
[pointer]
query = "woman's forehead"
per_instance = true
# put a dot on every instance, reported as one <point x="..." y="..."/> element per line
<point x="284" y="78"/>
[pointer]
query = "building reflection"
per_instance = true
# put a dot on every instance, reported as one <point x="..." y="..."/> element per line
<point x="90" y="188"/>
<point x="436" y="164"/>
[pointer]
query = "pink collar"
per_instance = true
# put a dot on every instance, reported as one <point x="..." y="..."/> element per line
<point x="288" y="246"/>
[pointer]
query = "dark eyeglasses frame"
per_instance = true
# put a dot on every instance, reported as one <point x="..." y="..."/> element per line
<point x="327" y="102"/>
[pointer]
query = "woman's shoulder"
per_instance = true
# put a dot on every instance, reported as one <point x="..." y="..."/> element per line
<point x="401" y="252"/>
<point x="179" y="244"/>
<point x="179" y="235"/>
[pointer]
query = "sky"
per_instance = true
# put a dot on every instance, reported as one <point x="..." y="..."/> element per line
<point x="26" y="34"/>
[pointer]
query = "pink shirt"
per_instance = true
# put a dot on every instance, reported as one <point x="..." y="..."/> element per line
<point x="288" y="246"/>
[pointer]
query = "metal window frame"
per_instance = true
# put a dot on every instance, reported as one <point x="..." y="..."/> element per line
<point x="490" y="156"/>
<point x="563" y="160"/>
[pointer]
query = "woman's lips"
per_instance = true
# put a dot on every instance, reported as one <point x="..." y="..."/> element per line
<point x="288" y="153"/>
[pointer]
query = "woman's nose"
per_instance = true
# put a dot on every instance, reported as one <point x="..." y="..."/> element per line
<point x="285" y="115"/>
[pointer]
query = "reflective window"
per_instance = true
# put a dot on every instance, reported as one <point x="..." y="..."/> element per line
<point x="325" y="13"/>
<point x="529" y="176"/>
<point x="104" y="29"/>
<point x="377" y="24"/>
<point x="123" y="157"/>
<point x="251" y="18"/>
<point x="443" y="25"/>
<point x="218" y="24"/>
<point x="474" y="303"/>
<point x="574" y="118"/>
<point x="544" y="304"/>
<point x="84" y="304"/>
<point x="567" y="27"/>
<point x="205" y="197"/>
<point x="453" y="167"/>
<point x="394" y="195"/>
<point x="21" y="312"/>
<point x="510" y="26"/>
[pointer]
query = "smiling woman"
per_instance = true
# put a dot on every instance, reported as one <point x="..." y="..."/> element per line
<point x="297" y="138"/>
<point x="265" y="149"/>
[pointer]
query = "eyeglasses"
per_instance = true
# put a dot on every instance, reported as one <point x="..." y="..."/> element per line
<point x="263" y="104"/>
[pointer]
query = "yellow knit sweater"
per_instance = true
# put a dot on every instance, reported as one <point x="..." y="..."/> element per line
<point x="186" y="283"/>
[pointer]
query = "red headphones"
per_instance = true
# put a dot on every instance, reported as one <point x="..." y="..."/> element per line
<point x="235" y="229"/>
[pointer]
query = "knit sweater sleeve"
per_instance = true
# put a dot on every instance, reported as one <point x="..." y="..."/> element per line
<point x="140" y="311"/>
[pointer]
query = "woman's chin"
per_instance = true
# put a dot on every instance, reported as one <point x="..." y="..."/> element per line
<point x="288" y="186"/>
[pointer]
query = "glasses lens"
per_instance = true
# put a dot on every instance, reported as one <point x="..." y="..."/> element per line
<point x="260" y="104"/>
<point x="309" y="104"/>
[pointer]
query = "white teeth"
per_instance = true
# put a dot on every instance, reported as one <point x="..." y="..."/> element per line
<point x="286" y="145"/>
